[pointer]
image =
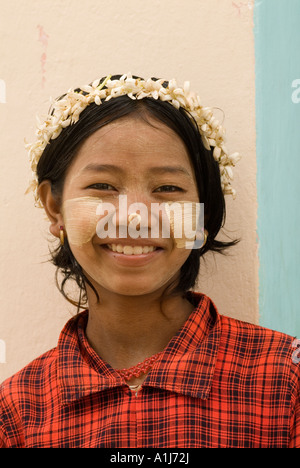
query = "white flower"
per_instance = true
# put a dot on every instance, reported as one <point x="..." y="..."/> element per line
<point x="234" y="158"/>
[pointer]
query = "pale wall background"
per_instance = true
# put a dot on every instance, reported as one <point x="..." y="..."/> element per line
<point x="46" y="48"/>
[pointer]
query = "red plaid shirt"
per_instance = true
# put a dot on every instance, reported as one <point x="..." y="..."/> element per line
<point x="219" y="383"/>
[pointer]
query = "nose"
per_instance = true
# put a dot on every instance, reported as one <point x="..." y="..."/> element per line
<point x="134" y="213"/>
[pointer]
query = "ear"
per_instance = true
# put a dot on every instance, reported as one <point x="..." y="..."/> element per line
<point x="52" y="207"/>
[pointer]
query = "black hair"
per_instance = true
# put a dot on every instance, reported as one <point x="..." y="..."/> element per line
<point x="60" y="152"/>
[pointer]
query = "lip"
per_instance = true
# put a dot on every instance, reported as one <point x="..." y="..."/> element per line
<point x="132" y="260"/>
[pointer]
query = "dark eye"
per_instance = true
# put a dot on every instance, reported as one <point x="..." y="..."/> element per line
<point x="101" y="186"/>
<point x="168" y="188"/>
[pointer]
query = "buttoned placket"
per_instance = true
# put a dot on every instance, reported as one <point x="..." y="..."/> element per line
<point x="137" y="405"/>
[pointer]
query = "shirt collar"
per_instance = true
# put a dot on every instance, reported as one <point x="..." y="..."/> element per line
<point x="186" y="366"/>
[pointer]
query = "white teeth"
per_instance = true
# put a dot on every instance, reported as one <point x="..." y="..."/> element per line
<point x="137" y="250"/>
<point x="131" y="249"/>
<point x="128" y="250"/>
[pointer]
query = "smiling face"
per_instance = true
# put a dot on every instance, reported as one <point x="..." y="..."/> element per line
<point x="148" y="163"/>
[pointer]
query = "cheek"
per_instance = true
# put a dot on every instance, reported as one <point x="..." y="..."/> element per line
<point x="186" y="222"/>
<point x="80" y="218"/>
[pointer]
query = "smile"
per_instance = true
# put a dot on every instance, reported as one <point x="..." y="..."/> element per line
<point x="131" y="249"/>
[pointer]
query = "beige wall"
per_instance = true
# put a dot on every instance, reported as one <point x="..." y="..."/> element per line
<point x="46" y="47"/>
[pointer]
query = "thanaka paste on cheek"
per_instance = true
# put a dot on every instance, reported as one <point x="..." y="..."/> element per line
<point x="80" y="218"/>
<point x="186" y="223"/>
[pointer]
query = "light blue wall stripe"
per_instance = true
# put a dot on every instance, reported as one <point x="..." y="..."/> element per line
<point x="277" y="56"/>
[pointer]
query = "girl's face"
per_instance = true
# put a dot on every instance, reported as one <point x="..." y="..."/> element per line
<point x="128" y="161"/>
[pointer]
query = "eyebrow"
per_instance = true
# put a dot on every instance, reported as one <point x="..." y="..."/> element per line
<point x="155" y="170"/>
<point x="101" y="168"/>
<point x="170" y="169"/>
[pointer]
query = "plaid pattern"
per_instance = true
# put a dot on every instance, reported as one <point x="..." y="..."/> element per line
<point x="220" y="383"/>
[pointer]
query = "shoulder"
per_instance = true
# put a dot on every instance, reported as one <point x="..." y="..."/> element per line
<point x="22" y="395"/>
<point x="245" y="333"/>
<point x="30" y="380"/>
<point x="261" y="349"/>
<point x="38" y="379"/>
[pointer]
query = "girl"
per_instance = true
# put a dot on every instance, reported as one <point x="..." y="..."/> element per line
<point x="148" y="362"/>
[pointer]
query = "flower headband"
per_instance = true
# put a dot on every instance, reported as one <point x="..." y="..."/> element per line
<point x="66" y="111"/>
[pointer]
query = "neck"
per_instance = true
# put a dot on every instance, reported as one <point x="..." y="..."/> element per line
<point x="125" y="330"/>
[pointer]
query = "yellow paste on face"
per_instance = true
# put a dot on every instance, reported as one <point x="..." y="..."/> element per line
<point x="80" y="218"/>
<point x="184" y="219"/>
